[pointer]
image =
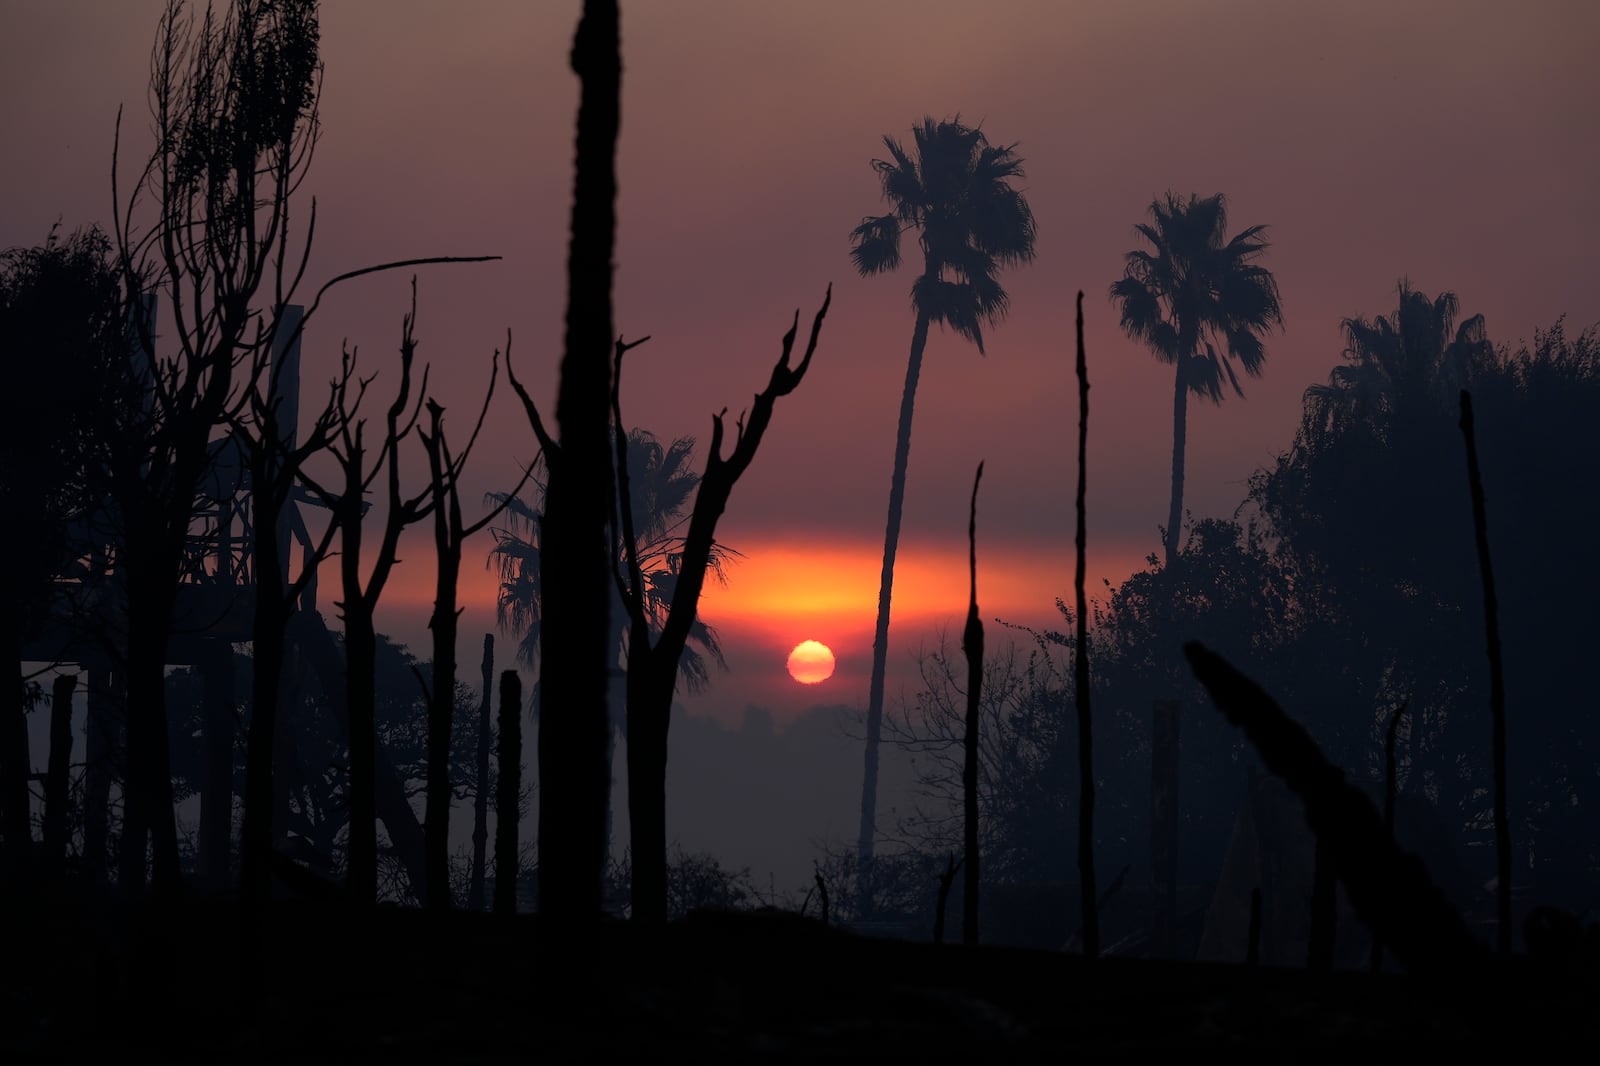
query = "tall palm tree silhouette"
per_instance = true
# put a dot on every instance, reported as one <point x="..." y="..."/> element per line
<point x="1418" y="355"/>
<point x="971" y="221"/>
<point x="1198" y="300"/>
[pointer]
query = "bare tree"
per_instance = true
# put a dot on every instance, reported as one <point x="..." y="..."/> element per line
<point x="652" y="670"/>
<point x="360" y="597"/>
<point x="234" y="98"/>
<point x="450" y="532"/>
<point x="276" y="461"/>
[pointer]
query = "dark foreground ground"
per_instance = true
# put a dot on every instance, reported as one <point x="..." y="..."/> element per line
<point x="401" y="986"/>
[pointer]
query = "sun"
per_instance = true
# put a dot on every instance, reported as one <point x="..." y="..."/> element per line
<point x="811" y="662"/>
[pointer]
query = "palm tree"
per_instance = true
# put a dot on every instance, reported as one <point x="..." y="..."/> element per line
<point x="1419" y="355"/>
<point x="957" y="194"/>
<point x="1199" y="301"/>
<point x="661" y="487"/>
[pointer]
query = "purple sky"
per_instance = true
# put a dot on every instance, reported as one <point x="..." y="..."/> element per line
<point x="1451" y="142"/>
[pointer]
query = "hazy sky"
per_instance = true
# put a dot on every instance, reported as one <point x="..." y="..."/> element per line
<point x="1451" y="142"/>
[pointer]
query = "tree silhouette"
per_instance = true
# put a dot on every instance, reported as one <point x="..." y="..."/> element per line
<point x="360" y="596"/>
<point x="972" y="647"/>
<point x="653" y="666"/>
<point x="269" y="448"/>
<point x="1198" y="300"/>
<point x="64" y="348"/>
<point x="970" y="222"/>
<point x="1419" y="357"/>
<point x="234" y="98"/>
<point x="661" y="484"/>
<point x="576" y="568"/>
<point x="450" y="532"/>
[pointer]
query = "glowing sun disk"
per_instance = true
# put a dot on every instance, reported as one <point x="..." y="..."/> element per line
<point x="810" y="662"/>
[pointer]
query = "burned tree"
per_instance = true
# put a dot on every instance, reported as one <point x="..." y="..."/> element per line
<point x="652" y="669"/>
<point x="64" y="344"/>
<point x="234" y="98"/>
<point x="972" y="645"/>
<point x="575" y="557"/>
<point x="508" y="794"/>
<point x="450" y="531"/>
<point x="360" y="598"/>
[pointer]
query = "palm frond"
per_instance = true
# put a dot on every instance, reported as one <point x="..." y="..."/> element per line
<point x="1193" y="282"/>
<point x="876" y="245"/>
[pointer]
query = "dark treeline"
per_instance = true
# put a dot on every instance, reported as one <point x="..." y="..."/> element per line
<point x="1347" y="585"/>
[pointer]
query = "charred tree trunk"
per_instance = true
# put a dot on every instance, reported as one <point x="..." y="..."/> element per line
<point x="361" y="657"/>
<point x="480" y="801"/>
<point x="56" y="778"/>
<point x="649" y="690"/>
<point x="653" y="671"/>
<point x="575" y="560"/>
<point x="260" y="758"/>
<point x="507" y="795"/>
<point x="100" y="745"/>
<point x="441" y="718"/>
<point x="450" y="532"/>
<point x="150" y="817"/>
<point x="972" y="646"/>
<point x="216" y="803"/>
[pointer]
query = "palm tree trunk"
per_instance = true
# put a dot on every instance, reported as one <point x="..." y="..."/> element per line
<point x="1180" y="430"/>
<point x="880" y="639"/>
